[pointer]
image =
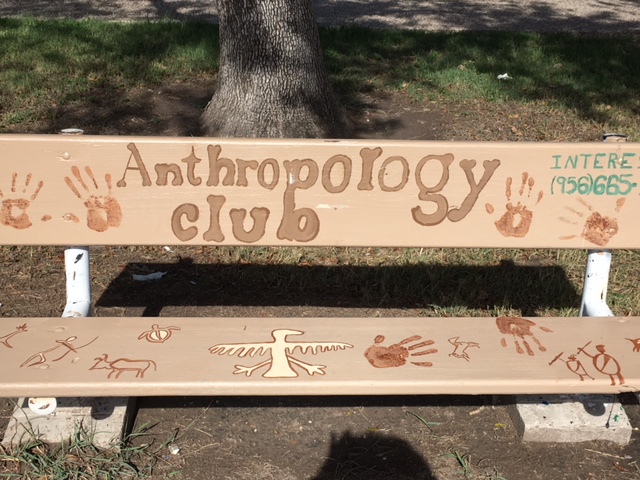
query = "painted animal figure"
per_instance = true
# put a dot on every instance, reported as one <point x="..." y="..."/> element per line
<point x="121" y="365"/>
<point x="636" y="344"/>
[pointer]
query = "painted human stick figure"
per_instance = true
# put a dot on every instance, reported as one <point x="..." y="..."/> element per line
<point x="573" y="364"/>
<point x="604" y="363"/>
<point x="280" y="365"/>
<point x="520" y="328"/>
<point x="460" y="348"/>
<point x="5" y="339"/>
<point x="41" y="357"/>
<point x="396" y="355"/>
<point x="158" y="334"/>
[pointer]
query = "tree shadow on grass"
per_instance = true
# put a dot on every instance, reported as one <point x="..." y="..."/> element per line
<point x="81" y="63"/>
<point x="503" y="15"/>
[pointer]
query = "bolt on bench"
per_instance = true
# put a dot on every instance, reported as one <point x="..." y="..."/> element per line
<point x="83" y="191"/>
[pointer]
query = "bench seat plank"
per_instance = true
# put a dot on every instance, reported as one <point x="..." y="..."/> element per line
<point x="317" y="356"/>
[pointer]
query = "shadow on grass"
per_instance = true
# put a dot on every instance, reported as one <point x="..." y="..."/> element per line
<point x="429" y="287"/>
<point x="48" y="64"/>
<point x="453" y="15"/>
<point x="592" y="75"/>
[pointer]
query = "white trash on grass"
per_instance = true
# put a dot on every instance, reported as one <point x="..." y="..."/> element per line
<point x="150" y="276"/>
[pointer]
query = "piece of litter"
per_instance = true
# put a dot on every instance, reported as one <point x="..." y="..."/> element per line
<point x="168" y="249"/>
<point x="174" y="449"/>
<point x="43" y="406"/>
<point x="151" y="276"/>
<point x="476" y="411"/>
<point x="504" y="76"/>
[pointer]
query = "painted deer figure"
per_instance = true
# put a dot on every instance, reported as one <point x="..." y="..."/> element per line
<point x="121" y="365"/>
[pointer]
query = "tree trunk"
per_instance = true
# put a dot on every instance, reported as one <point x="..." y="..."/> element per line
<point x="272" y="81"/>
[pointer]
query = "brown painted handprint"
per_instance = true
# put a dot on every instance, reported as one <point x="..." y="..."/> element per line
<point x="397" y="354"/>
<point x="13" y="209"/>
<point x="520" y="330"/>
<point x="598" y="229"/>
<point x="103" y="211"/>
<point x="516" y="220"/>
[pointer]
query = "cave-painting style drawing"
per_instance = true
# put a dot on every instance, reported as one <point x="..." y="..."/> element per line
<point x="4" y="340"/>
<point x="460" y="348"/>
<point x="574" y="365"/>
<point x="103" y="210"/>
<point x="65" y="345"/>
<point x="604" y="363"/>
<point x="597" y="229"/>
<point x="397" y="354"/>
<point x="14" y="204"/>
<point x="281" y="363"/>
<point x="120" y="365"/>
<point x="158" y="334"/>
<point x="636" y="343"/>
<point x="520" y="329"/>
<point x="516" y="220"/>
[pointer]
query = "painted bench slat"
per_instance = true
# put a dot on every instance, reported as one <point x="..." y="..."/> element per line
<point x="317" y="356"/>
<point x="59" y="190"/>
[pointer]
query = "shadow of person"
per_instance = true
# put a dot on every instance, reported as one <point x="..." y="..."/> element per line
<point x="373" y="456"/>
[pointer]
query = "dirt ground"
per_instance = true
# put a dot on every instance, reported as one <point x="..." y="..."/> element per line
<point x="291" y="438"/>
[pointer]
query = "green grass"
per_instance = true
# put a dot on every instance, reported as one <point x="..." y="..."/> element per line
<point x="47" y="63"/>
<point x="79" y="458"/>
<point x="595" y="77"/>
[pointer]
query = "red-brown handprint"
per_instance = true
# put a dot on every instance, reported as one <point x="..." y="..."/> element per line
<point x="516" y="220"/>
<point x="103" y="211"/>
<point x="598" y="229"/>
<point x="397" y="354"/>
<point x="520" y="328"/>
<point x="13" y="208"/>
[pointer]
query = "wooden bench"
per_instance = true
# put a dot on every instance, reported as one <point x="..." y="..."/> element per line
<point x="88" y="191"/>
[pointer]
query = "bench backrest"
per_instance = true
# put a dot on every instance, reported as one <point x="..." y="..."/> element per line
<point x="61" y="190"/>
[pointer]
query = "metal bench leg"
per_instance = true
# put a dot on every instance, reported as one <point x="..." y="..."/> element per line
<point x="76" y="266"/>
<point x="596" y="280"/>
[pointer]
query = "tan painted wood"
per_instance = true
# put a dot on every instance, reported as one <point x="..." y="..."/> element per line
<point x="317" y="356"/>
<point x="163" y="191"/>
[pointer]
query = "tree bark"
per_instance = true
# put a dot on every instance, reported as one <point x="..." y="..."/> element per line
<point x="272" y="81"/>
